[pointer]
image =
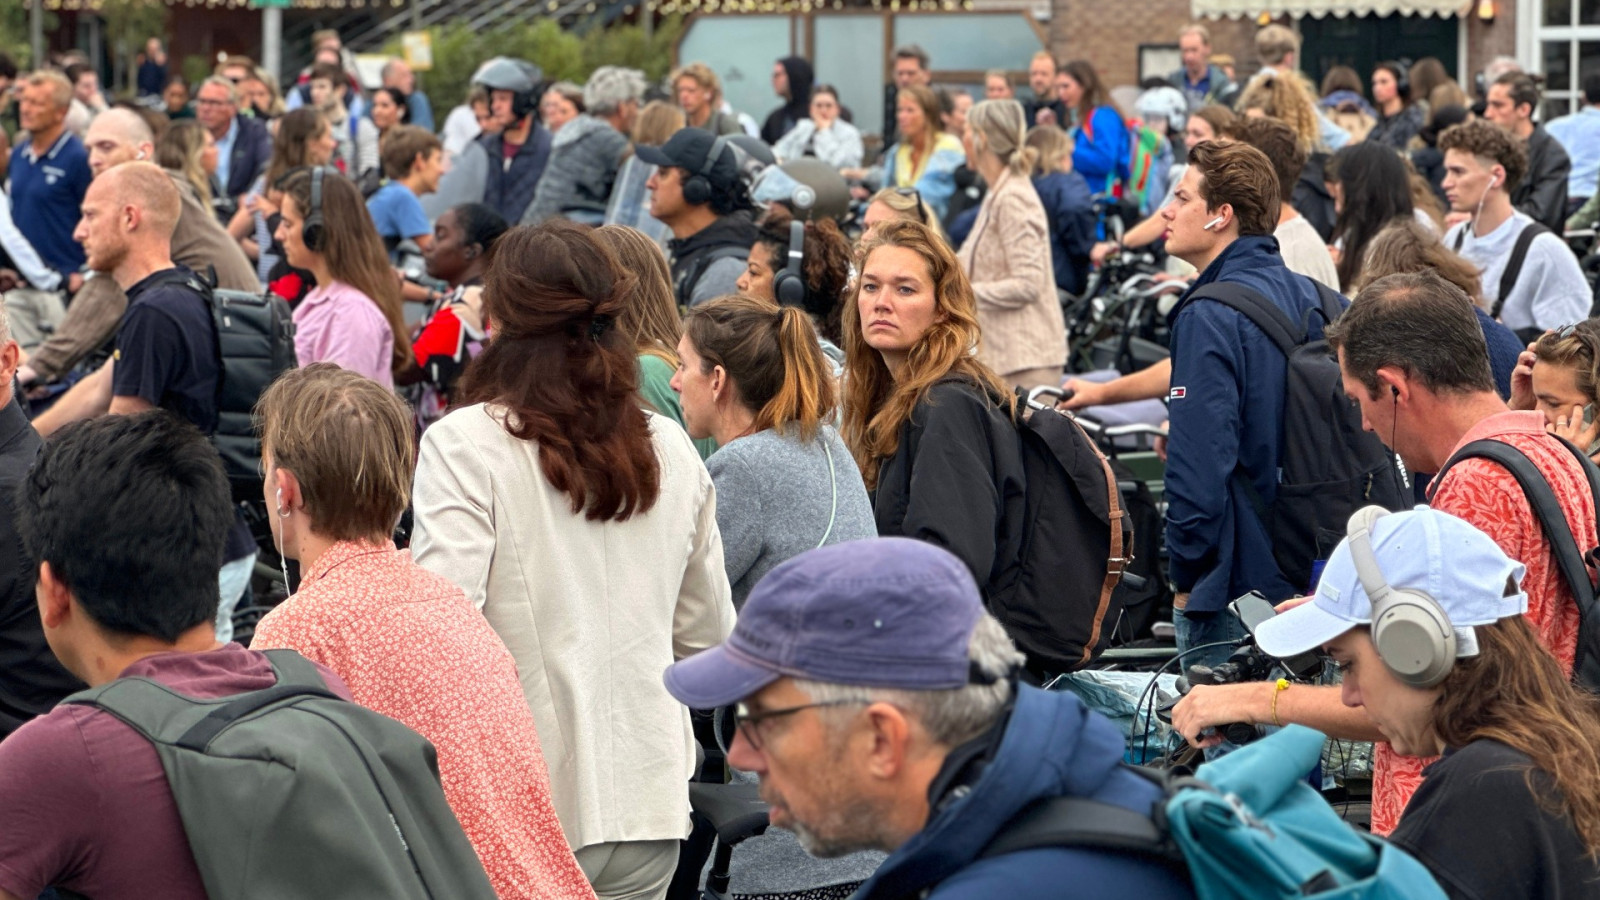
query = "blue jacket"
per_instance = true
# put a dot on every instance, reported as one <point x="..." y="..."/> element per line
<point x="1226" y="412"/>
<point x="1052" y="746"/>
<point x="1100" y="154"/>
<point x="509" y="189"/>
<point x="1069" y="205"/>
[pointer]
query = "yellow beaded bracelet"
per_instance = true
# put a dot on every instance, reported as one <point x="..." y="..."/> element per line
<point x="1283" y="685"/>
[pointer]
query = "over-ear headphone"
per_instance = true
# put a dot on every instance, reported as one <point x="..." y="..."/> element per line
<point x="313" y="232"/>
<point x="697" y="187"/>
<point x="1213" y="223"/>
<point x="789" y="285"/>
<point x="1410" y="630"/>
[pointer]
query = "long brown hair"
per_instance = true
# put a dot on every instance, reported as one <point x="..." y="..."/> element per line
<point x="928" y="102"/>
<point x="771" y="355"/>
<point x="1515" y="692"/>
<point x="296" y="130"/>
<point x="650" y="313"/>
<point x="1406" y="245"/>
<point x="568" y="379"/>
<point x="353" y="251"/>
<point x="1094" y="90"/>
<point x="179" y="150"/>
<point x="875" y="404"/>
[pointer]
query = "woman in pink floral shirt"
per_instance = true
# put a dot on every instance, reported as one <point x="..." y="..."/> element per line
<point x="339" y="455"/>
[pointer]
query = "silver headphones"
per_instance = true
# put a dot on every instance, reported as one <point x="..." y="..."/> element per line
<point x="1413" y="635"/>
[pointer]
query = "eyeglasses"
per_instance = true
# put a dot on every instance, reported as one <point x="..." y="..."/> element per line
<point x="916" y="197"/>
<point x="749" y="723"/>
<point x="207" y="102"/>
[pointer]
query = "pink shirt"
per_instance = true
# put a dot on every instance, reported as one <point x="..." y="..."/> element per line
<point x="412" y="646"/>
<point x="337" y="323"/>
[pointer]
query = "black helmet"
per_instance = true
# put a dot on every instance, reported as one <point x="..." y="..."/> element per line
<point x="523" y="79"/>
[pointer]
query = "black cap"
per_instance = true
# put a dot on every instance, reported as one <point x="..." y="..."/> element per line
<point x="688" y="149"/>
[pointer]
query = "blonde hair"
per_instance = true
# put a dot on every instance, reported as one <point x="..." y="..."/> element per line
<point x="1285" y="98"/>
<point x="63" y="87"/>
<point x="650" y="312"/>
<point x="179" y="150"/>
<point x="876" y="404"/>
<point x="928" y="102"/>
<point x="1050" y="145"/>
<point x="1003" y="129"/>
<point x="700" y="74"/>
<point x="1275" y="42"/>
<point x="348" y="442"/>
<point x="657" y="121"/>
<point x="910" y="207"/>
<point x="771" y="355"/>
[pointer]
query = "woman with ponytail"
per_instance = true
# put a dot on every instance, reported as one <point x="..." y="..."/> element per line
<point x="585" y="529"/>
<point x="1007" y="255"/>
<point x="751" y="375"/>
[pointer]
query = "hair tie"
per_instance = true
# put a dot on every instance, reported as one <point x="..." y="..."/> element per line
<point x="598" y="326"/>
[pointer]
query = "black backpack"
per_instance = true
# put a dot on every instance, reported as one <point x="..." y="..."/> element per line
<point x="292" y="791"/>
<point x="1329" y="466"/>
<point x="1570" y="558"/>
<point x="1059" y="603"/>
<point x="255" y="344"/>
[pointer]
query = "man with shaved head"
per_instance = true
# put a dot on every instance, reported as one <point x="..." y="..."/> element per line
<point x="199" y="243"/>
<point x="166" y="353"/>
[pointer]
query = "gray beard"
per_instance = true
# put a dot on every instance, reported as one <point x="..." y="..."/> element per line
<point x="844" y="830"/>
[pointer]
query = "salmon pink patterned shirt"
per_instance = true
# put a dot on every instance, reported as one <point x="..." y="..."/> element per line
<point x="411" y="646"/>
<point x="1485" y="494"/>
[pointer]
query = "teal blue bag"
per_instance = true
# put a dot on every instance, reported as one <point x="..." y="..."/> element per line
<point x="1247" y="827"/>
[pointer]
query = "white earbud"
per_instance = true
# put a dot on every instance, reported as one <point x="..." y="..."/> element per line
<point x="282" y="513"/>
<point x="1213" y="223"/>
<point x="140" y="156"/>
<point x="1493" y="180"/>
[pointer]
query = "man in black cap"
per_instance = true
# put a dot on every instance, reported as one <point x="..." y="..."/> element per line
<point x="696" y="191"/>
<point x="877" y="701"/>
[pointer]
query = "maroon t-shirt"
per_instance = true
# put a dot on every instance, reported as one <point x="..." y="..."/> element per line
<point x="84" y="802"/>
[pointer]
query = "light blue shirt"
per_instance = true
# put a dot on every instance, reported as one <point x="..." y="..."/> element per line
<point x="1579" y="135"/>
<point x="225" y="150"/>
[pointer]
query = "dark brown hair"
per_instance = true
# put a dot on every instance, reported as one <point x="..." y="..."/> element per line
<point x="1515" y="692"/>
<point x="825" y="270"/>
<point x="1279" y="142"/>
<point x="349" y="443"/>
<point x="1486" y="140"/>
<point x="1241" y="176"/>
<point x="296" y="130"/>
<point x="1427" y="73"/>
<point x="1342" y="78"/>
<point x="771" y="355"/>
<point x="568" y="378"/>
<point x="401" y="147"/>
<point x="1094" y="90"/>
<point x="1419" y="323"/>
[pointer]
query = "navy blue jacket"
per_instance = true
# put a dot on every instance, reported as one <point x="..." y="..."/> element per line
<point x="1226" y="410"/>
<point x="1069" y="206"/>
<point x="509" y="189"/>
<point x="1052" y="746"/>
<point x="252" y="151"/>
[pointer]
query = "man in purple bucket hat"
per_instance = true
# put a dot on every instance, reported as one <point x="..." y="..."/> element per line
<point x="878" y="703"/>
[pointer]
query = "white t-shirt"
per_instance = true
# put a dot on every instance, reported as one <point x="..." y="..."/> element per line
<point x="1550" y="291"/>
<point x="1304" y="252"/>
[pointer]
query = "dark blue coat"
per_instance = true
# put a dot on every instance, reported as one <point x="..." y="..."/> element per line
<point x="252" y="151"/>
<point x="509" y="189"/>
<point x="1069" y="206"/>
<point x="1052" y="747"/>
<point x="1226" y="410"/>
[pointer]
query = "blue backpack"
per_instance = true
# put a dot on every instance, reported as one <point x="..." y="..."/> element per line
<point x="1247" y="827"/>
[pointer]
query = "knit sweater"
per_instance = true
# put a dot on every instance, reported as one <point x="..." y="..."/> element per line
<point x="1007" y="258"/>
<point x="766" y="520"/>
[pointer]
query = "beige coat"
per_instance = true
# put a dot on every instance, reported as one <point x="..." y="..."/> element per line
<point x="593" y="612"/>
<point x="1007" y="258"/>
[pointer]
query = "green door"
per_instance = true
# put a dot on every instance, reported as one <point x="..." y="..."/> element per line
<point x="1363" y="42"/>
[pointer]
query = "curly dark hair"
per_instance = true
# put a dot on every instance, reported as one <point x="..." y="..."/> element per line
<point x="826" y="269"/>
<point x="1487" y="140"/>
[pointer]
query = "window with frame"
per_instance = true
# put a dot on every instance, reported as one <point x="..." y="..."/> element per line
<point x="1567" y="35"/>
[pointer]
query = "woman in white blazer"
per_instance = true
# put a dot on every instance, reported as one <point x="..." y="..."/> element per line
<point x="585" y="528"/>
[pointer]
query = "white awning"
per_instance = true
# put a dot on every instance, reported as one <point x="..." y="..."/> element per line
<point x="1317" y="9"/>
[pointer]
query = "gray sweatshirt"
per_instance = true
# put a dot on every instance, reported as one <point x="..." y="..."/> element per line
<point x="775" y="500"/>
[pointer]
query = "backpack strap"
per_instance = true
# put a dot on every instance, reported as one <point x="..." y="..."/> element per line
<point x="1251" y="304"/>
<point x="1079" y="822"/>
<point x="1519" y="254"/>
<point x="1553" y="520"/>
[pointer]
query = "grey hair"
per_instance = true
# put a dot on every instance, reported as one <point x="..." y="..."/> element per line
<point x="610" y="87"/>
<point x="951" y="717"/>
<point x="233" y="89"/>
<point x="5" y="326"/>
<point x="1004" y="129"/>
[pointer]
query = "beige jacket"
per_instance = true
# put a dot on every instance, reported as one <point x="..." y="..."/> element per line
<point x="593" y="612"/>
<point x="1007" y="258"/>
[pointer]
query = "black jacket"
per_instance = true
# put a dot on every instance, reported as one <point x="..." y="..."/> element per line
<point x="729" y="237"/>
<point x="783" y="119"/>
<point x="508" y="188"/>
<point x="31" y="680"/>
<point x="957" y="480"/>
<point x="1543" y="191"/>
<point x="1311" y="198"/>
<point x="252" y="151"/>
<point x="1030" y="109"/>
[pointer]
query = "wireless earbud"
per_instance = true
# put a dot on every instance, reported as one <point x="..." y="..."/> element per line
<point x="1212" y="224"/>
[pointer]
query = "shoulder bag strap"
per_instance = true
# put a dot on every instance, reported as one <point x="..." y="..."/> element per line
<point x="1519" y="254"/>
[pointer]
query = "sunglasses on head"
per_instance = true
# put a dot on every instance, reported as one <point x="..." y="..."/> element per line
<point x="916" y="197"/>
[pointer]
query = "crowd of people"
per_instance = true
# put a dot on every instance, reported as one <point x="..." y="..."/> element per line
<point x="642" y="385"/>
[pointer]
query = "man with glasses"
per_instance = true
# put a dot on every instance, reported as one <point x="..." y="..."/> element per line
<point x="244" y="146"/>
<point x="879" y="705"/>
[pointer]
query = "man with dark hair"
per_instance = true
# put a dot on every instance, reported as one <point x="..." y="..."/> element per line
<point x="1579" y="135"/>
<point x="1227" y="391"/>
<point x="413" y="161"/>
<point x="1413" y="356"/>
<point x="1513" y="99"/>
<point x="1530" y="280"/>
<point x="910" y="67"/>
<point x="357" y="150"/>
<point x="697" y="192"/>
<point x="1303" y="250"/>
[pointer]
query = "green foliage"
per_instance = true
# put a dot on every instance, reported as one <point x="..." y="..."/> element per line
<point x="14" y="31"/>
<point x="195" y="69"/>
<point x="564" y="55"/>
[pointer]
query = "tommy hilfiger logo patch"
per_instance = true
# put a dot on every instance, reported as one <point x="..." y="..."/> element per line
<point x="1178" y="393"/>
